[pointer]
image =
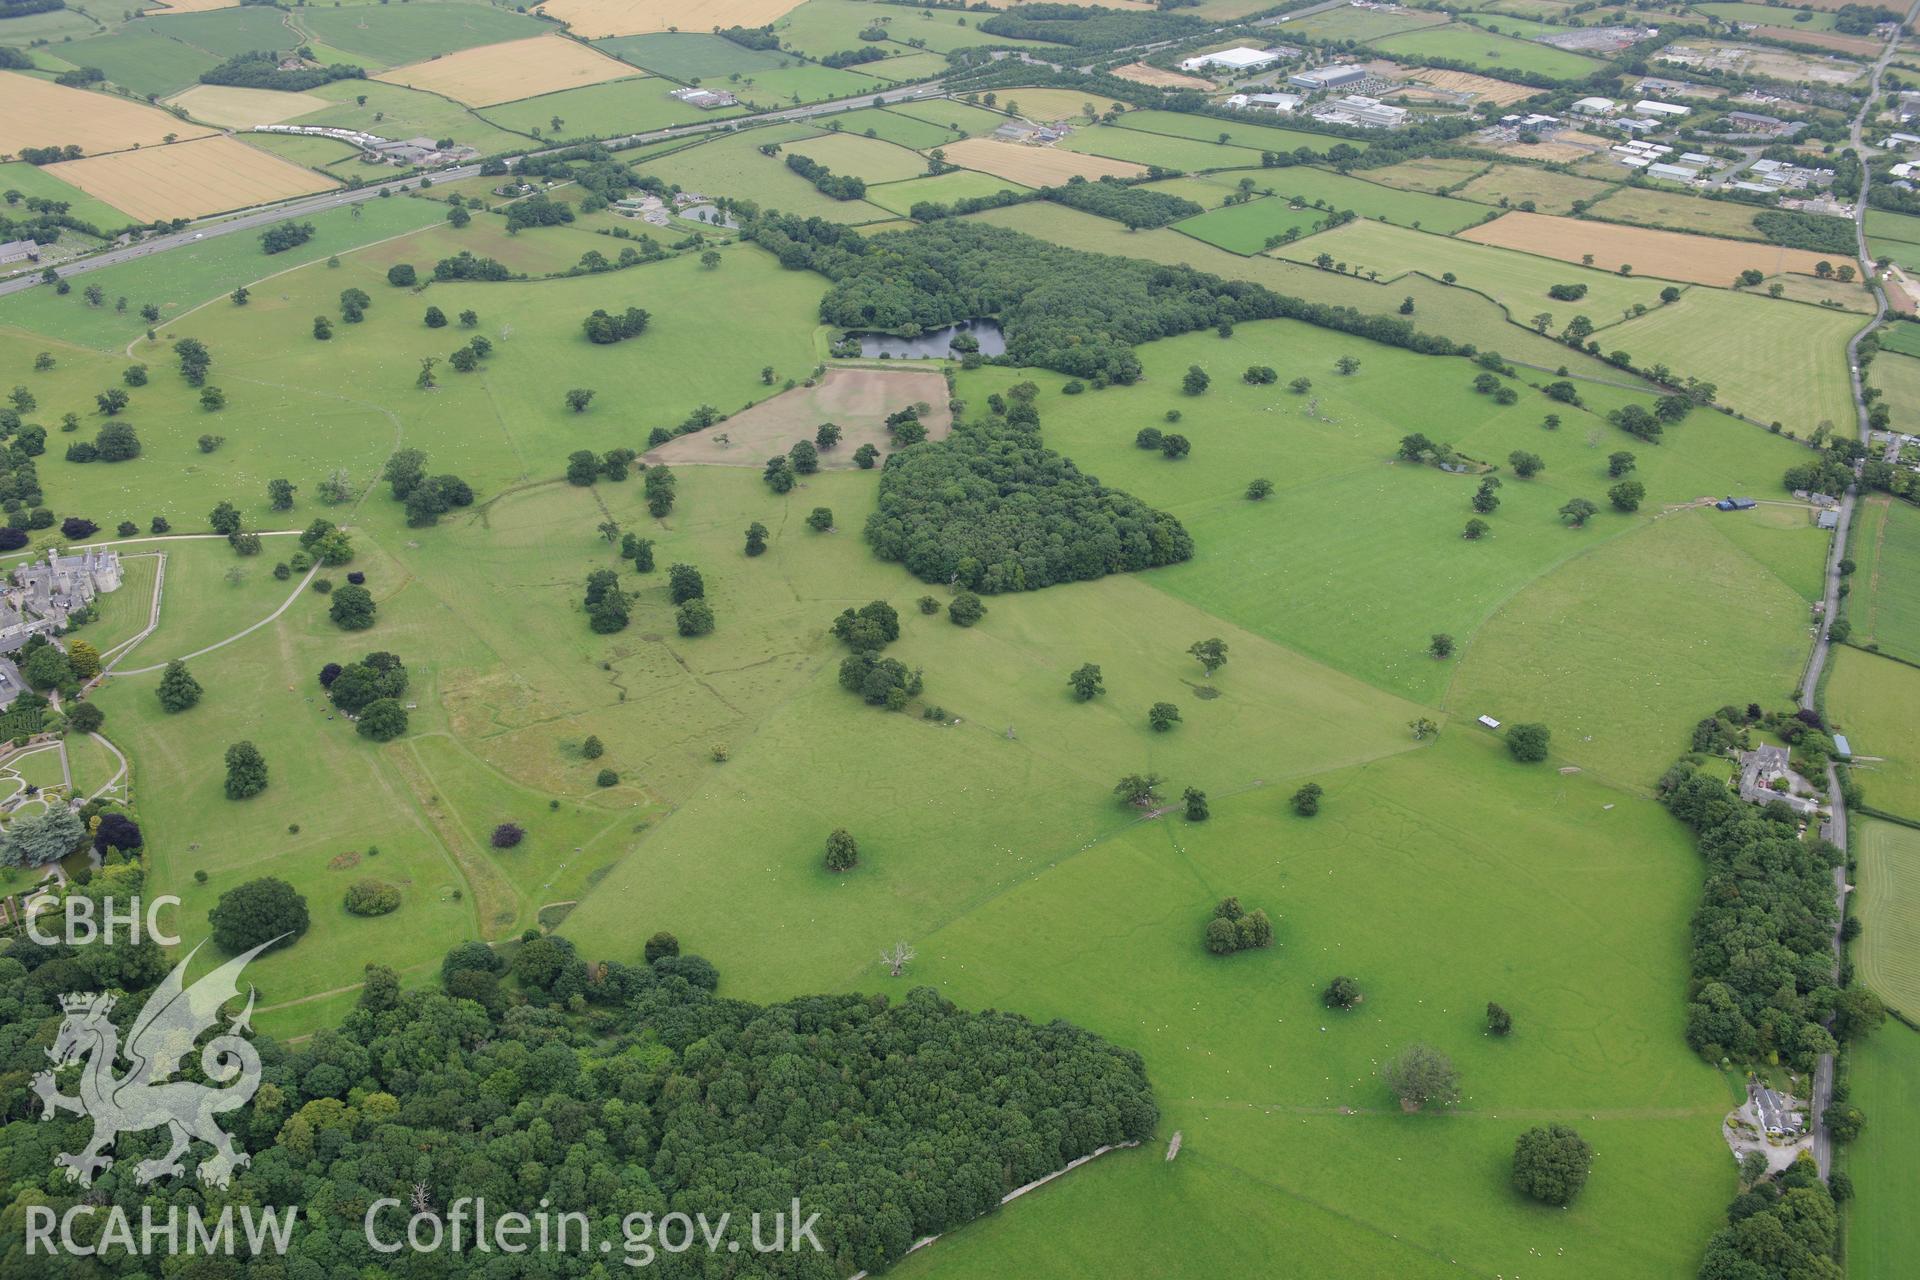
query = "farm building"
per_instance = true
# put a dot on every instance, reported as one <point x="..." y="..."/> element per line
<point x="1841" y="745"/>
<point x="1596" y="106"/>
<point x="1761" y="768"/>
<point x="705" y="99"/>
<point x="1828" y="519"/>
<point x="1240" y="58"/>
<point x="1489" y="722"/>
<point x="1736" y="504"/>
<point x="1327" y="78"/>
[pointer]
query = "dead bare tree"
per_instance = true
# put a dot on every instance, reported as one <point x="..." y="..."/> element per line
<point x="897" y="957"/>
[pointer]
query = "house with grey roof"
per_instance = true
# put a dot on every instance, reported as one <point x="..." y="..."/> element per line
<point x="1766" y="765"/>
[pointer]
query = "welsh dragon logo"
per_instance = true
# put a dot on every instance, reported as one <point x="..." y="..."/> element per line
<point x="164" y="1033"/>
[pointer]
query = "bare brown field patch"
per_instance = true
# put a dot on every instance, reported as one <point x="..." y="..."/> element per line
<point x="595" y="19"/>
<point x="233" y="108"/>
<point x="1670" y="255"/>
<point x="1035" y="166"/>
<point x="39" y="113"/>
<point x="189" y="179"/>
<point x="856" y="400"/>
<point x="496" y="73"/>
<point x="1485" y="88"/>
<point x="1568" y="146"/>
<point x="1141" y="73"/>
<point x="1822" y="40"/>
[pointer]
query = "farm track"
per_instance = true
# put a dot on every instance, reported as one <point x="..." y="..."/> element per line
<point x="1822" y="645"/>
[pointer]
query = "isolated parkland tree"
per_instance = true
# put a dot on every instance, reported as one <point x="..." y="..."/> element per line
<point x="246" y="771"/>
<point x="1086" y="683"/>
<point x="178" y="689"/>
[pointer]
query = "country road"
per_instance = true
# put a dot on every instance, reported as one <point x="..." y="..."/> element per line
<point x="228" y="224"/>
<point x="1822" y="644"/>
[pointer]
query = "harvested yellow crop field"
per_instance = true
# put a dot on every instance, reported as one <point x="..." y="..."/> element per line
<point x="1035" y="166"/>
<point x="1671" y="255"/>
<point x="595" y="19"/>
<point x="189" y="179"/>
<point x="496" y="73"/>
<point x="39" y="113"/>
<point x="232" y="108"/>
<point x="1483" y="88"/>
<point x="1141" y="73"/>
<point x="1048" y="105"/>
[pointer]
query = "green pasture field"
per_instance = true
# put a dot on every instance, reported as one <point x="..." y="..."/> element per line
<point x="308" y="406"/>
<point x="908" y="68"/>
<point x="1509" y="184"/>
<point x="1875" y="702"/>
<point x="1772" y="359"/>
<point x="1165" y="150"/>
<point x="891" y="126"/>
<point x="1853" y="296"/>
<point x="1490" y="53"/>
<point x="226" y="33"/>
<point x="32" y="180"/>
<point x="1884" y="1162"/>
<point x="1898" y="379"/>
<point x="190" y="275"/>
<point x="1884" y="606"/>
<point x="959" y="184"/>
<point x="821" y="27"/>
<point x="57" y="25"/>
<point x="1888" y="950"/>
<point x="1262" y="1095"/>
<point x="1738" y="635"/>
<point x="391" y="36"/>
<point x="1339" y="527"/>
<point x="1517" y="281"/>
<point x="1645" y="207"/>
<point x="732" y="165"/>
<point x="1893" y="226"/>
<point x="691" y="57"/>
<point x="1545" y="9"/>
<point x="142" y="58"/>
<point x="1461" y="314"/>
<point x="407" y="113"/>
<point x="1902" y="336"/>
<point x="800" y="83"/>
<point x="1764" y="16"/>
<point x="1900" y="251"/>
<point x="961" y="117"/>
<point x="1258" y="137"/>
<point x="1245" y="228"/>
<point x="1427" y="173"/>
<point x="314" y="153"/>
<point x="600" y="110"/>
<point x="1364" y="25"/>
<point x="870" y="159"/>
<point x="1369" y="200"/>
<point x="1782" y="538"/>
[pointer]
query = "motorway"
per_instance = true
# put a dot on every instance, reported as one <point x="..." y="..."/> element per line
<point x="228" y="225"/>
<point x="1822" y="644"/>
